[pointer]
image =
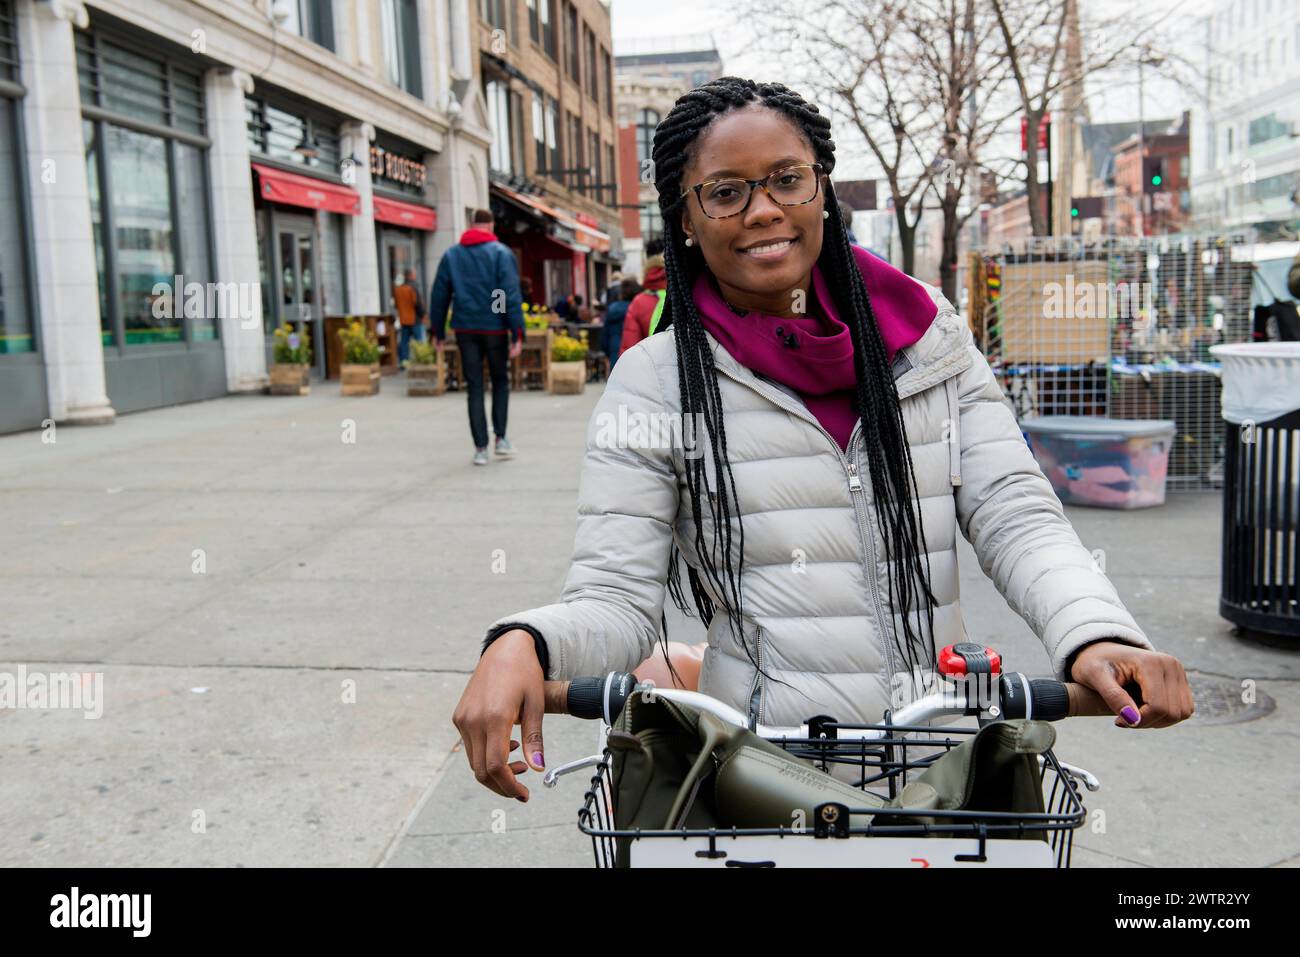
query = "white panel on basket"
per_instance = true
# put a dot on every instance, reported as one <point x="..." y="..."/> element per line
<point x="808" y="851"/>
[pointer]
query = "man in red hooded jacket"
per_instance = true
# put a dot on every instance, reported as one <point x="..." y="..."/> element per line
<point x="637" y="324"/>
<point x="478" y="279"/>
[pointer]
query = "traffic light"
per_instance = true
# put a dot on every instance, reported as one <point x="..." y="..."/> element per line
<point x="1085" y="207"/>
<point x="1153" y="174"/>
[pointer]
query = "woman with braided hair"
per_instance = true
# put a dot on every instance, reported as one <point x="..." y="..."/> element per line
<point x="836" y="427"/>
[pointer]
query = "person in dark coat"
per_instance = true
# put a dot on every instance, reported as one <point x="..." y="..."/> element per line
<point x="479" y="279"/>
<point x="612" y="333"/>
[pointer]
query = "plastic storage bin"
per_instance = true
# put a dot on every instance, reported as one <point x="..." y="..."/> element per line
<point x="1110" y="463"/>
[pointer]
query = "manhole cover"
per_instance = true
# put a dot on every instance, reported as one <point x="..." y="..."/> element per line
<point x="1225" y="701"/>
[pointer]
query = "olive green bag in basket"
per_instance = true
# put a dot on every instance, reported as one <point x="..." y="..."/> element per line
<point x="674" y="767"/>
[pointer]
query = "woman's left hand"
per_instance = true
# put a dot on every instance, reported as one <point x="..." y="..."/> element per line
<point x="1108" y="666"/>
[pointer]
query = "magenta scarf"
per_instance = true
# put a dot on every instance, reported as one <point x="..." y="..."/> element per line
<point x="813" y="354"/>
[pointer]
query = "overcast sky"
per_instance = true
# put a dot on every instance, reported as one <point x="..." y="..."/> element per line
<point x="642" y="19"/>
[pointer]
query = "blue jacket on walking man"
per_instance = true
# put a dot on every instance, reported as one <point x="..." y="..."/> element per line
<point x="479" y="280"/>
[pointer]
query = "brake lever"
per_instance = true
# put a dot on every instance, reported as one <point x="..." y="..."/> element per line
<point x="552" y="775"/>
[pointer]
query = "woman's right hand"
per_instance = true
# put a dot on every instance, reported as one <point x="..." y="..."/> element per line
<point x="507" y="688"/>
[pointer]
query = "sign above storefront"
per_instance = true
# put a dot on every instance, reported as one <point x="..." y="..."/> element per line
<point x="396" y="168"/>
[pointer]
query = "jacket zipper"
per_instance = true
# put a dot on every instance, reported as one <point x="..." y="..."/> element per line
<point x="756" y="693"/>
<point x="886" y="624"/>
<point x="855" y="485"/>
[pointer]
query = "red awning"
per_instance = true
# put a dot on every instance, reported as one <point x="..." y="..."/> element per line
<point x="591" y="237"/>
<point x="282" y="187"/>
<point x="405" y="214"/>
<point x="594" y="238"/>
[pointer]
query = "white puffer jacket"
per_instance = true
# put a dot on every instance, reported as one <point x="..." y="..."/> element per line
<point x="814" y="581"/>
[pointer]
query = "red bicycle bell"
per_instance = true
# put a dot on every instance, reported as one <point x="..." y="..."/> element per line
<point x="968" y="658"/>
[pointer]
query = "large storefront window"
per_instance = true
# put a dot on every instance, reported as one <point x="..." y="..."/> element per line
<point x="143" y="241"/>
<point x="90" y="132"/>
<point x="16" y="326"/>
<point x="192" y="220"/>
<point x="145" y="159"/>
<point x="15" y="304"/>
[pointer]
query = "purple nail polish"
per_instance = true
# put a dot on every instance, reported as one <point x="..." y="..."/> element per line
<point x="537" y="759"/>
<point x="1129" y="714"/>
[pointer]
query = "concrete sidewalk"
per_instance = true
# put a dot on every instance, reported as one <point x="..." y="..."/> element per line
<point x="285" y="621"/>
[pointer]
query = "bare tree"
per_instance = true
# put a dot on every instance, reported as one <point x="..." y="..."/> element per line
<point x="1048" y="53"/>
<point x="963" y="79"/>
<point x="846" y="55"/>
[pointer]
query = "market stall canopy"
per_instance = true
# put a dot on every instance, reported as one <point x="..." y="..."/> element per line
<point x="280" y="186"/>
<point x="405" y="214"/>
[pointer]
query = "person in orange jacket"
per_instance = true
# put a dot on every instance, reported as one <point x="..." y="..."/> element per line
<point x="637" y="324"/>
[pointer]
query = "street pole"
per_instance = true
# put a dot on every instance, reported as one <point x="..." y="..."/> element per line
<point x="1142" y="155"/>
<point x="1050" y="230"/>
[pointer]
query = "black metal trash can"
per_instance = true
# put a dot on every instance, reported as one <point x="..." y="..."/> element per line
<point x="1261" y="515"/>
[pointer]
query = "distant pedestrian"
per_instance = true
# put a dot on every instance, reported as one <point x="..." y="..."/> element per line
<point x="479" y="279"/>
<point x="612" y="292"/>
<point x="410" y="314"/>
<point x="643" y="308"/>
<point x="615" y="315"/>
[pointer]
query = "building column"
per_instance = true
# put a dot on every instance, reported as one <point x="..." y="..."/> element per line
<point x="234" y="228"/>
<point x="444" y="194"/>
<point x="451" y="170"/>
<point x="359" y="251"/>
<point x="63" y="242"/>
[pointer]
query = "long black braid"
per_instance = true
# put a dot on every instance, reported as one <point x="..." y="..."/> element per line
<point x="877" y="403"/>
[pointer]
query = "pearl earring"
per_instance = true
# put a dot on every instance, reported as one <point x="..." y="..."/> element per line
<point x="826" y="214"/>
<point x="690" y="241"/>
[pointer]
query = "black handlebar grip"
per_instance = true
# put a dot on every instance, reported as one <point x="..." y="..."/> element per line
<point x="1043" y="699"/>
<point x="1049" y="701"/>
<point x="587" y="696"/>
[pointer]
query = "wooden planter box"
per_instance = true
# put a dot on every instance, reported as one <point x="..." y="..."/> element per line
<point x="290" y="378"/>
<point x="568" y="378"/>
<point x="387" y="342"/>
<point x="426" y="379"/>
<point x="360" y="379"/>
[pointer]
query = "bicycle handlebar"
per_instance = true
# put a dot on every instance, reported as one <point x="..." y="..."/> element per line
<point x="1042" y="699"/>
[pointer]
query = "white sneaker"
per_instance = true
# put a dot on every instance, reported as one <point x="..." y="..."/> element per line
<point x="481" y="457"/>
<point x="504" y="448"/>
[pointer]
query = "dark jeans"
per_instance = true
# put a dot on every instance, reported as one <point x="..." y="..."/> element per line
<point x="473" y="347"/>
<point x="404" y="343"/>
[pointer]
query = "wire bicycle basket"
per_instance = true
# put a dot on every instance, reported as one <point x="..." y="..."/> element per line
<point x="881" y="767"/>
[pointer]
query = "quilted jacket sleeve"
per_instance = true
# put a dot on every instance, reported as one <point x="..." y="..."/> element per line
<point x="1007" y="510"/>
<point x="608" y="615"/>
